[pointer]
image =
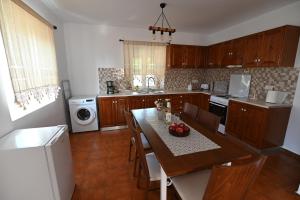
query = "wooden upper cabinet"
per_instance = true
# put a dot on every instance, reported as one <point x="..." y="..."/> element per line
<point x="269" y="53"/>
<point x="175" y="56"/>
<point x="189" y="56"/>
<point x="232" y="52"/>
<point x="273" y="48"/>
<point x="214" y="58"/>
<point x="185" y="56"/>
<point x="252" y="44"/>
<point x="201" y="55"/>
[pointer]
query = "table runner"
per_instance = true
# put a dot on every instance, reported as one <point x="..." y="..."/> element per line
<point x="194" y="142"/>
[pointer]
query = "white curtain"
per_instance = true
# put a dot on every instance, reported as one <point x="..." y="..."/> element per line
<point x="30" y="50"/>
<point x="143" y="60"/>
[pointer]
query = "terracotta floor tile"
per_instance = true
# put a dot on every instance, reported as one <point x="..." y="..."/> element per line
<point x="102" y="171"/>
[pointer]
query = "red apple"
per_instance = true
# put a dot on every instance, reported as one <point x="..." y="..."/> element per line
<point x="179" y="130"/>
<point x="186" y="129"/>
<point x="181" y="125"/>
<point x="174" y="124"/>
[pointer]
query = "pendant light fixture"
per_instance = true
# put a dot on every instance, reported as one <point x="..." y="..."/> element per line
<point x="161" y="29"/>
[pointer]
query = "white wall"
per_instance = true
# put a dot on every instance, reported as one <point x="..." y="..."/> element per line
<point x="53" y="113"/>
<point x="89" y="47"/>
<point x="289" y="14"/>
<point x="286" y="15"/>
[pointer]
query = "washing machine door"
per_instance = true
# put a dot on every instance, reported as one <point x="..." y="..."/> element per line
<point x="84" y="115"/>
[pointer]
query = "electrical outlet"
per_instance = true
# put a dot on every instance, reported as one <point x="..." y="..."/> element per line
<point x="269" y="87"/>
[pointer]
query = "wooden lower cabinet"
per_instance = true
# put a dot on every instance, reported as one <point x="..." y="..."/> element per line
<point x="111" y="111"/>
<point x="199" y="99"/>
<point x="258" y="126"/>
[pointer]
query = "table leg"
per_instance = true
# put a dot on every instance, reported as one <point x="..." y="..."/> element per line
<point x="163" y="184"/>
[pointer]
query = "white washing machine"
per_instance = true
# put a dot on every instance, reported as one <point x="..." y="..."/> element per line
<point x="83" y="111"/>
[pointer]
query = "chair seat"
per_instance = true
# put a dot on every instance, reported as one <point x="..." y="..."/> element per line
<point x="192" y="186"/>
<point x="153" y="166"/>
<point x="145" y="142"/>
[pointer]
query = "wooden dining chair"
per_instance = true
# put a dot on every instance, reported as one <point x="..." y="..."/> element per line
<point x="222" y="182"/>
<point x="132" y="128"/>
<point x="208" y="120"/>
<point x="149" y="166"/>
<point x="190" y="110"/>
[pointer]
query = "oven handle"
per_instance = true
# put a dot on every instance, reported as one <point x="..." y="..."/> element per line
<point x="216" y="104"/>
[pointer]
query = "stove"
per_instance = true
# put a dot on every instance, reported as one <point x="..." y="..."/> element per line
<point x="220" y="99"/>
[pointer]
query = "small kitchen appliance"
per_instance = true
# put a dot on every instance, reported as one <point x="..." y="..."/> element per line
<point x="204" y="86"/>
<point x="276" y="96"/>
<point x="110" y="87"/>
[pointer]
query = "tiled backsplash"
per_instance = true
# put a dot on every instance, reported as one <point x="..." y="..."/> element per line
<point x="283" y="79"/>
<point x="180" y="78"/>
<point x="112" y="74"/>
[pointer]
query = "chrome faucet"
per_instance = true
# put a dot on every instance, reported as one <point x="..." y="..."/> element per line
<point x="148" y="89"/>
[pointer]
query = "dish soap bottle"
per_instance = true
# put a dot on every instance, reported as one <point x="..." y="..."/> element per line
<point x="190" y="87"/>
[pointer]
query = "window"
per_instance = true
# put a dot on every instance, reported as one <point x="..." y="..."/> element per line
<point x="144" y="60"/>
<point x="29" y="48"/>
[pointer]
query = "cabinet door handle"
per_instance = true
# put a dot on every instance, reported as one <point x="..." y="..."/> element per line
<point x="245" y="110"/>
<point x="258" y="60"/>
<point x="242" y="109"/>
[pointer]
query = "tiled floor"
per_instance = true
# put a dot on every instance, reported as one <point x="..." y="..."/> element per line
<point x="103" y="172"/>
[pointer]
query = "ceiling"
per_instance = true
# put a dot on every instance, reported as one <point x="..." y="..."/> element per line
<point x="195" y="16"/>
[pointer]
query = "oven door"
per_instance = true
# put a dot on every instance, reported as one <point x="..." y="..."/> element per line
<point x="221" y="111"/>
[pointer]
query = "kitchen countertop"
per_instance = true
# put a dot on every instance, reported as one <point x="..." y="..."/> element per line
<point x="260" y="103"/>
<point x="161" y="92"/>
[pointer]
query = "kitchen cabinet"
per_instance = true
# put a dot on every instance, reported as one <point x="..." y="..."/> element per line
<point x="232" y="52"/>
<point x="214" y="58"/>
<point x="252" y="44"/>
<point x="273" y="48"/>
<point x="111" y="111"/>
<point x="149" y="100"/>
<point x="258" y="126"/>
<point x="177" y="101"/>
<point x="199" y="99"/>
<point x="185" y="56"/>
<point x="136" y="102"/>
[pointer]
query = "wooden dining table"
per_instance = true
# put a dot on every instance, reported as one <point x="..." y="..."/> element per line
<point x="179" y="165"/>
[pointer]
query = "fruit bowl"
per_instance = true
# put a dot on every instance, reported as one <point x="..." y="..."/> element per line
<point x="179" y="130"/>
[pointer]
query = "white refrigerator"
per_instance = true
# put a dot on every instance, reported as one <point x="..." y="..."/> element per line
<point x="36" y="164"/>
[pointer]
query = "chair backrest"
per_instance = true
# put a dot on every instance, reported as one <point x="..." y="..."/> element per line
<point x="130" y="122"/>
<point x="208" y="120"/>
<point x="190" y="110"/>
<point x="137" y="136"/>
<point x="141" y="152"/>
<point x="233" y="182"/>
